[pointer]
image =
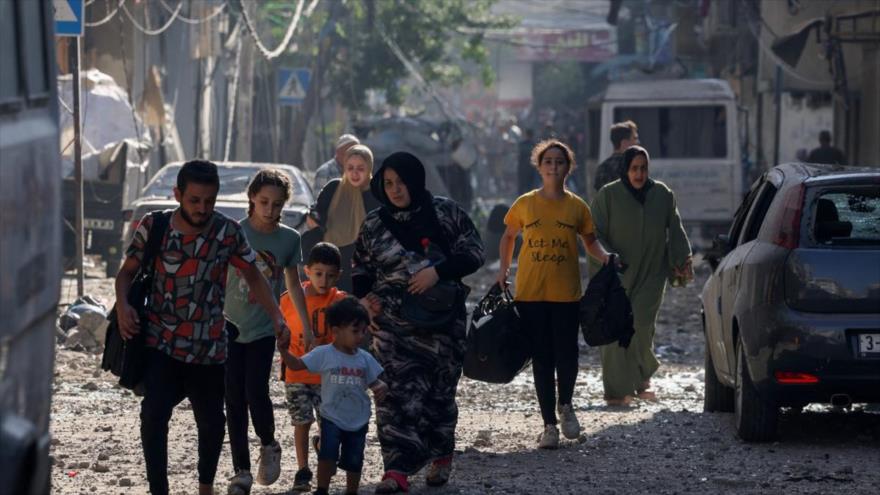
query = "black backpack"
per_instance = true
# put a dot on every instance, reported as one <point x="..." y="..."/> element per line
<point x="497" y="349"/>
<point x="605" y="312"/>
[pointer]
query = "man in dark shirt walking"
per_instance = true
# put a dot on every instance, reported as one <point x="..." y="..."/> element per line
<point x="623" y="135"/>
<point x="185" y="331"/>
<point x="826" y="153"/>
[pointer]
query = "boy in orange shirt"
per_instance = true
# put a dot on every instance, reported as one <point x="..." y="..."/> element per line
<point x="303" y="389"/>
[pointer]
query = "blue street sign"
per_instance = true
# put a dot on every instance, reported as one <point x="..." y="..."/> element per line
<point x="293" y="85"/>
<point x="69" y="16"/>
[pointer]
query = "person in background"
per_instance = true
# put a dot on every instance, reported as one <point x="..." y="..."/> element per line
<point x="826" y="153"/>
<point x="637" y="217"/>
<point x="332" y="168"/>
<point x="302" y="388"/>
<point x="623" y="135"/>
<point x="416" y="422"/>
<point x="346" y="373"/>
<point x="548" y="282"/>
<point x="342" y="206"/>
<point x="252" y="341"/>
<point x="186" y="337"/>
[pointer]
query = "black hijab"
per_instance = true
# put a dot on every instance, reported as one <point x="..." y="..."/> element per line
<point x="416" y="221"/>
<point x="628" y="156"/>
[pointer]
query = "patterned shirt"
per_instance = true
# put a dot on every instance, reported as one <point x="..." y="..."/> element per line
<point x="328" y="171"/>
<point x="378" y="256"/>
<point x="186" y="303"/>
<point x="608" y="171"/>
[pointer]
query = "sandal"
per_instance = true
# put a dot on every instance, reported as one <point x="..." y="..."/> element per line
<point x="624" y="402"/>
<point x="439" y="471"/>
<point x="647" y="395"/>
<point x="393" y="482"/>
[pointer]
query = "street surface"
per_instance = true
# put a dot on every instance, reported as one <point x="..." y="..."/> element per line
<point x="666" y="447"/>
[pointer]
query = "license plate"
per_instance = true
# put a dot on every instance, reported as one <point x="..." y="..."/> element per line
<point x="869" y="345"/>
<point x="97" y="224"/>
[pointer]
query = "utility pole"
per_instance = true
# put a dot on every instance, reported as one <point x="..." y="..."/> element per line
<point x="77" y="163"/>
<point x="245" y="109"/>
<point x="207" y="99"/>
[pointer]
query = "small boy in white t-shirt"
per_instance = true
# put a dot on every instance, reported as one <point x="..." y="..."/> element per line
<point x="346" y="373"/>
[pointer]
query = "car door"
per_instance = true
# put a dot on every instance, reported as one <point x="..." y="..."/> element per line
<point x="714" y="310"/>
<point x="737" y="266"/>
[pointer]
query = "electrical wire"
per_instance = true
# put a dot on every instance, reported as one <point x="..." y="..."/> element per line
<point x="781" y="64"/>
<point x="147" y="31"/>
<point x="270" y="54"/>
<point x="769" y="51"/>
<point x="106" y="19"/>
<point x="189" y="20"/>
<point x="414" y="72"/>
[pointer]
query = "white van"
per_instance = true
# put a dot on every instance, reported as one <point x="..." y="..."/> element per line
<point x="689" y="127"/>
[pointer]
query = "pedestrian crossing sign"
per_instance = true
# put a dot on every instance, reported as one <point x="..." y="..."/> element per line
<point x="292" y="85"/>
<point x="68" y="17"/>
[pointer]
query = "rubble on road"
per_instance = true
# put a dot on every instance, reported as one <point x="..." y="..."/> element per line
<point x="83" y="325"/>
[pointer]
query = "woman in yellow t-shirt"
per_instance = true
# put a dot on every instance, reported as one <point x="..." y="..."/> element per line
<point x="548" y="281"/>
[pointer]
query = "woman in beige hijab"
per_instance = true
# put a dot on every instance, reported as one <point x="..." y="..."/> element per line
<point x="342" y="206"/>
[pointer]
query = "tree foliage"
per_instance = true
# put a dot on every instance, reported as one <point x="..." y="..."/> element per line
<point x="343" y="41"/>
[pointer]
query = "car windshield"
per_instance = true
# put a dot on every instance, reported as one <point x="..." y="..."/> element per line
<point x="234" y="180"/>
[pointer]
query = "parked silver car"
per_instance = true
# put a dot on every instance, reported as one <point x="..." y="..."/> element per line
<point x="791" y="311"/>
<point x="232" y="201"/>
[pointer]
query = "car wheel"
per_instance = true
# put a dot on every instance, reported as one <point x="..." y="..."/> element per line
<point x="754" y="417"/>
<point x="716" y="396"/>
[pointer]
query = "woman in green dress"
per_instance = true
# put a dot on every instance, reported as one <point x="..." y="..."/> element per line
<point x="637" y="218"/>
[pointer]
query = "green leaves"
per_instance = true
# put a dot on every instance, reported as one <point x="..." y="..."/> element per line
<point x="442" y="38"/>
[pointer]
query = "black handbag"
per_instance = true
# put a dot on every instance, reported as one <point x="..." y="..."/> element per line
<point x="126" y="358"/>
<point x="497" y="348"/>
<point x="437" y="307"/>
<point x="605" y="312"/>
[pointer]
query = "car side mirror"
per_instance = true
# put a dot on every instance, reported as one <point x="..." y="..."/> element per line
<point x="720" y="248"/>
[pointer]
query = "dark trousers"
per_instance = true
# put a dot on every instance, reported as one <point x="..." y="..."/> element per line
<point x="553" y="330"/>
<point x="166" y="384"/>
<point x="247" y="388"/>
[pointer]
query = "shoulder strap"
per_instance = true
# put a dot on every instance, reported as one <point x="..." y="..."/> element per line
<point x="161" y="220"/>
<point x="410" y="243"/>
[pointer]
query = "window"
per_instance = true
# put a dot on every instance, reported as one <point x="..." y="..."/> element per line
<point x="759" y="210"/>
<point x="679" y="131"/>
<point x="10" y="89"/>
<point x="739" y="218"/>
<point x="848" y="217"/>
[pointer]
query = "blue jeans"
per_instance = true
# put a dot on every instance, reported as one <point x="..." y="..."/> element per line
<point x="352" y="444"/>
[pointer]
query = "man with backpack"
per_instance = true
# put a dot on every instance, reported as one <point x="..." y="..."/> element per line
<point x="184" y="329"/>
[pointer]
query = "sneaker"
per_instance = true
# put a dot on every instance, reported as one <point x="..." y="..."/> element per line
<point x="241" y="483"/>
<point x="549" y="439"/>
<point x="270" y="464"/>
<point x="570" y="426"/>
<point x="302" y="480"/>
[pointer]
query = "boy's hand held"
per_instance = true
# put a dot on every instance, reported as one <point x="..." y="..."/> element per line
<point x="380" y="390"/>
